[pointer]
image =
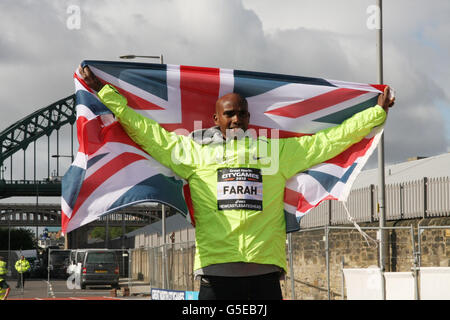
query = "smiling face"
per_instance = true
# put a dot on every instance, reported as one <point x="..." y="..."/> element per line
<point x="231" y="113"/>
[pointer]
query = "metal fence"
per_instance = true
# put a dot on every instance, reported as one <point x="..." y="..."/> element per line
<point x="428" y="197"/>
<point x="430" y="256"/>
<point x="320" y="254"/>
<point x="167" y="266"/>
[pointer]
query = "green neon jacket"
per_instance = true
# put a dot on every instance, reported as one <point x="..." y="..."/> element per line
<point x="22" y="266"/>
<point x="239" y="235"/>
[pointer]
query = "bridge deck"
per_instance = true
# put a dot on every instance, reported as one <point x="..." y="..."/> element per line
<point x="49" y="214"/>
<point x="29" y="188"/>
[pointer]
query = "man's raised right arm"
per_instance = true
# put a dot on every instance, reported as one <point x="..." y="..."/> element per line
<point x="155" y="140"/>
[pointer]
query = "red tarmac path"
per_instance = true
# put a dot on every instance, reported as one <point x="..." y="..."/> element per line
<point x="68" y="298"/>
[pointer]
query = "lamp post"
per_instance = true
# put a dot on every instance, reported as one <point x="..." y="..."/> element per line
<point x="57" y="156"/>
<point x="384" y="261"/>
<point x="163" y="210"/>
<point x="133" y="56"/>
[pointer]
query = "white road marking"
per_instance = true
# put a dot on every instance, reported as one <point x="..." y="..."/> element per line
<point x="50" y="288"/>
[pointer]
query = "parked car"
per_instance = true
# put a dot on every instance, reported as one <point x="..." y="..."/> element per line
<point x="99" y="267"/>
<point x="37" y="269"/>
<point x="59" y="260"/>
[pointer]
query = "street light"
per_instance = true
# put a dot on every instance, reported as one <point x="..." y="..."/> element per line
<point x="61" y="156"/>
<point x="133" y="56"/>
<point x="57" y="156"/>
<point x="163" y="209"/>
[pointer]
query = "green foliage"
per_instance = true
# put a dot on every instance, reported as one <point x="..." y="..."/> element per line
<point x="97" y="233"/>
<point x="114" y="232"/>
<point x="20" y="239"/>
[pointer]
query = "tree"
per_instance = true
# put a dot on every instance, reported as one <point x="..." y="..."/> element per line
<point x="114" y="232"/>
<point x="20" y="239"/>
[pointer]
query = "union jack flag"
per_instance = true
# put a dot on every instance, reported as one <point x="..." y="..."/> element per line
<point x="111" y="172"/>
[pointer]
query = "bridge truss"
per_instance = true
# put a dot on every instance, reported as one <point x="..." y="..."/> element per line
<point x="17" y="139"/>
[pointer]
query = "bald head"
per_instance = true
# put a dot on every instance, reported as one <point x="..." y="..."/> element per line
<point x="231" y="98"/>
<point x="231" y="113"/>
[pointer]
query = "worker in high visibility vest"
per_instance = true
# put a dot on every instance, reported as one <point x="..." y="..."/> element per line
<point x="4" y="287"/>
<point x="22" y="266"/>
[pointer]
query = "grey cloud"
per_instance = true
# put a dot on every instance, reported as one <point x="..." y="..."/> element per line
<point x="40" y="53"/>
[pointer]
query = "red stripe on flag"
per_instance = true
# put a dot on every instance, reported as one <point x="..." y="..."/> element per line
<point x="190" y="205"/>
<point x="116" y="133"/>
<point x="297" y="200"/>
<point x="291" y="197"/>
<point x="81" y="124"/>
<point x="89" y="135"/>
<point x="84" y="84"/>
<point x="64" y="221"/>
<point x="316" y="103"/>
<point x="304" y="206"/>
<point x="92" y="135"/>
<point x="199" y="93"/>
<point x="380" y="87"/>
<point x="104" y="173"/>
<point x="349" y="156"/>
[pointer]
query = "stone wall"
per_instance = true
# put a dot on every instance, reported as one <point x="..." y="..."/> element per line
<point x="348" y="248"/>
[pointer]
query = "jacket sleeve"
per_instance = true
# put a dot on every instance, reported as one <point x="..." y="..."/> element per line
<point x="174" y="151"/>
<point x="299" y="154"/>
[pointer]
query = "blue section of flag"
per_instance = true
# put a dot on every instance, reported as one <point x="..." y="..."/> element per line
<point x="88" y="99"/>
<point x="248" y="83"/>
<point x="146" y="76"/>
<point x="93" y="160"/>
<point x="156" y="188"/>
<point x="347" y="173"/>
<point x="292" y="222"/>
<point x="328" y="181"/>
<point x="71" y="184"/>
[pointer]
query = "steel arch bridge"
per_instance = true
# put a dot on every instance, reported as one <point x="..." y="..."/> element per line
<point x="17" y="138"/>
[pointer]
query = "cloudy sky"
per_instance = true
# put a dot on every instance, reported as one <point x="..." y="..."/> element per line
<point x="42" y="42"/>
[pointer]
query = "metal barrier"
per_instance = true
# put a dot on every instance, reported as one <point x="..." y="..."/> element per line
<point x="440" y="245"/>
<point x="428" y="197"/>
<point x="317" y="261"/>
<point x="317" y="257"/>
<point x="320" y="254"/>
<point x="167" y="266"/>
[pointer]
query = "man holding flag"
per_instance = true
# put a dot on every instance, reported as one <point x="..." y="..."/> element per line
<point x="237" y="186"/>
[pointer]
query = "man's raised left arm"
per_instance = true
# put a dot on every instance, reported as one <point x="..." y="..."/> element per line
<point x="299" y="154"/>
